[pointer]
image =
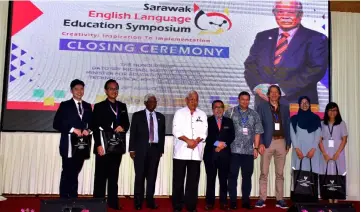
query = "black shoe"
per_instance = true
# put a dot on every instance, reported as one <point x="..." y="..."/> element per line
<point x="152" y="206"/>
<point x="209" y="207"/>
<point x="247" y="206"/>
<point x="137" y="207"/>
<point x="233" y="206"/>
<point x="176" y="210"/>
<point x="224" y="207"/>
<point x="117" y="208"/>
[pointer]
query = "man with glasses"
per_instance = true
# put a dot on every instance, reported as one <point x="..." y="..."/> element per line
<point x="217" y="154"/>
<point x="291" y="56"/>
<point x="244" y="148"/>
<point x="110" y="116"/>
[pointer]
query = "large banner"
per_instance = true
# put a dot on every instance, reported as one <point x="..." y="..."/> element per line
<point x="218" y="48"/>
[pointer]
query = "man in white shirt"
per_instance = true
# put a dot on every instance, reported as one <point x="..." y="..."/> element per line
<point x="189" y="130"/>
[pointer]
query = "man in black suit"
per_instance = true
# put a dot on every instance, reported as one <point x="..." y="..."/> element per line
<point x="146" y="147"/>
<point x="109" y="116"/>
<point x="73" y="117"/>
<point x="217" y="154"/>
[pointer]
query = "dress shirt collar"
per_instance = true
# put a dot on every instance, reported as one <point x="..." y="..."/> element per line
<point x="292" y="32"/>
<point x="195" y="111"/>
<point x="217" y="117"/>
<point x="76" y="101"/>
<point x="240" y="109"/>
<point x="148" y="112"/>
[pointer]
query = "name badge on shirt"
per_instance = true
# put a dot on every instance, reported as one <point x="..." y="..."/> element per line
<point x="331" y="143"/>
<point x="245" y="131"/>
<point x="277" y="126"/>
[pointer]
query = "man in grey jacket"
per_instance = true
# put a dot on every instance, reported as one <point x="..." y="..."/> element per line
<point x="275" y="142"/>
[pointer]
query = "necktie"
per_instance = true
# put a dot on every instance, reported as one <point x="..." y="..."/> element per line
<point x="281" y="47"/>
<point x="151" y="128"/>
<point x="79" y="109"/>
<point x="219" y="122"/>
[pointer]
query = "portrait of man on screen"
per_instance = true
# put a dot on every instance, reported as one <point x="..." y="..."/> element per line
<point x="291" y="56"/>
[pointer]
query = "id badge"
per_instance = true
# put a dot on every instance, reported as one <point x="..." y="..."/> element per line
<point x="277" y="126"/>
<point x="331" y="143"/>
<point x="245" y="131"/>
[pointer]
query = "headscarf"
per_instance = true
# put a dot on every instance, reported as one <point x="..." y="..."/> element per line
<point x="305" y="119"/>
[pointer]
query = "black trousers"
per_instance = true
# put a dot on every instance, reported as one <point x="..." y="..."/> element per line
<point x="69" y="176"/>
<point x="190" y="196"/>
<point x="219" y="162"/>
<point x="146" y="168"/>
<point x="246" y="163"/>
<point x="107" y="168"/>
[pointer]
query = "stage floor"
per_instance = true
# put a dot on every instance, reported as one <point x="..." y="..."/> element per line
<point x="16" y="203"/>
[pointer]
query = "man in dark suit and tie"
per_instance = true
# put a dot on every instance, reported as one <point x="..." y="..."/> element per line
<point x="291" y="56"/>
<point x="110" y="116"/>
<point x="217" y="154"/>
<point x="72" y="117"/>
<point x="146" y="147"/>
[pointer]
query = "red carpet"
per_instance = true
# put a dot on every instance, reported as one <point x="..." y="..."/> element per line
<point x="15" y="204"/>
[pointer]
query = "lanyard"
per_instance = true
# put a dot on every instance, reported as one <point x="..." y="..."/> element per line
<point x="276" y="116"/>
<point x="330" y="130"/>
<point x="244" y="120"/>
<point x="116" y="110"/>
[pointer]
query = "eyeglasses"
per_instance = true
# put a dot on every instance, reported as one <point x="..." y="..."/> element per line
<point x="113" y="89"/>
<point x="305" y="103"/>
<point x="218" y="107"/>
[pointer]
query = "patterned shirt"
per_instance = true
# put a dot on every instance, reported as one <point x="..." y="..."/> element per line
<point x="243" y="144"/>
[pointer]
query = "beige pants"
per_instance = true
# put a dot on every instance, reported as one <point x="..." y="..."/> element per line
<point x="277" y="149"/>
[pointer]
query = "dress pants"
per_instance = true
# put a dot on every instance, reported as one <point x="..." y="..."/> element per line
<point x="190" y="196"/>
<point x="277" y="149"/>
<point x="246" y="163"/>
<point x="218" y="162"/>
<point x="69" y="176"/>
<point x="107" y="168"/>
<point x="146" y="168"/>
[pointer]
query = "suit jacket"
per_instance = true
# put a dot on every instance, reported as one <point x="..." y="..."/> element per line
<point x="104" y="117"/>
<point x="67" y="117"/>
<point x="266" y="116"/>
<point x="139" y="133"/>
<point x="303" y="64"/>
<point x="226" y="134"/>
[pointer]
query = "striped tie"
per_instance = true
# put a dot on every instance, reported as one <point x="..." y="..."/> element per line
<point x="281" y="47"/>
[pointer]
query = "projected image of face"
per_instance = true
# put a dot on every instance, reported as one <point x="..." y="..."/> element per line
<point x="112" y="90"/>
<point x="78" y="92"/>
<point x="192" y="101"/>
<point x="288" y="14"/>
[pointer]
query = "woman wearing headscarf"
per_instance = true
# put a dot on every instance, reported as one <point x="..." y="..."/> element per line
<point x="334" y="139"/>
<point x="305" y="136"/>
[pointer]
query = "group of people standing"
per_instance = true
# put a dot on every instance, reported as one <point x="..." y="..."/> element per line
<point x="227" y="141"/>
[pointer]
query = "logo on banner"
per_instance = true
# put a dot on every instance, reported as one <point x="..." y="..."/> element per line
<point x="211" y="22"/>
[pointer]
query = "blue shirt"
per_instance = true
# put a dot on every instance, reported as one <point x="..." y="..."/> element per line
<point x="155" y="124"/>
